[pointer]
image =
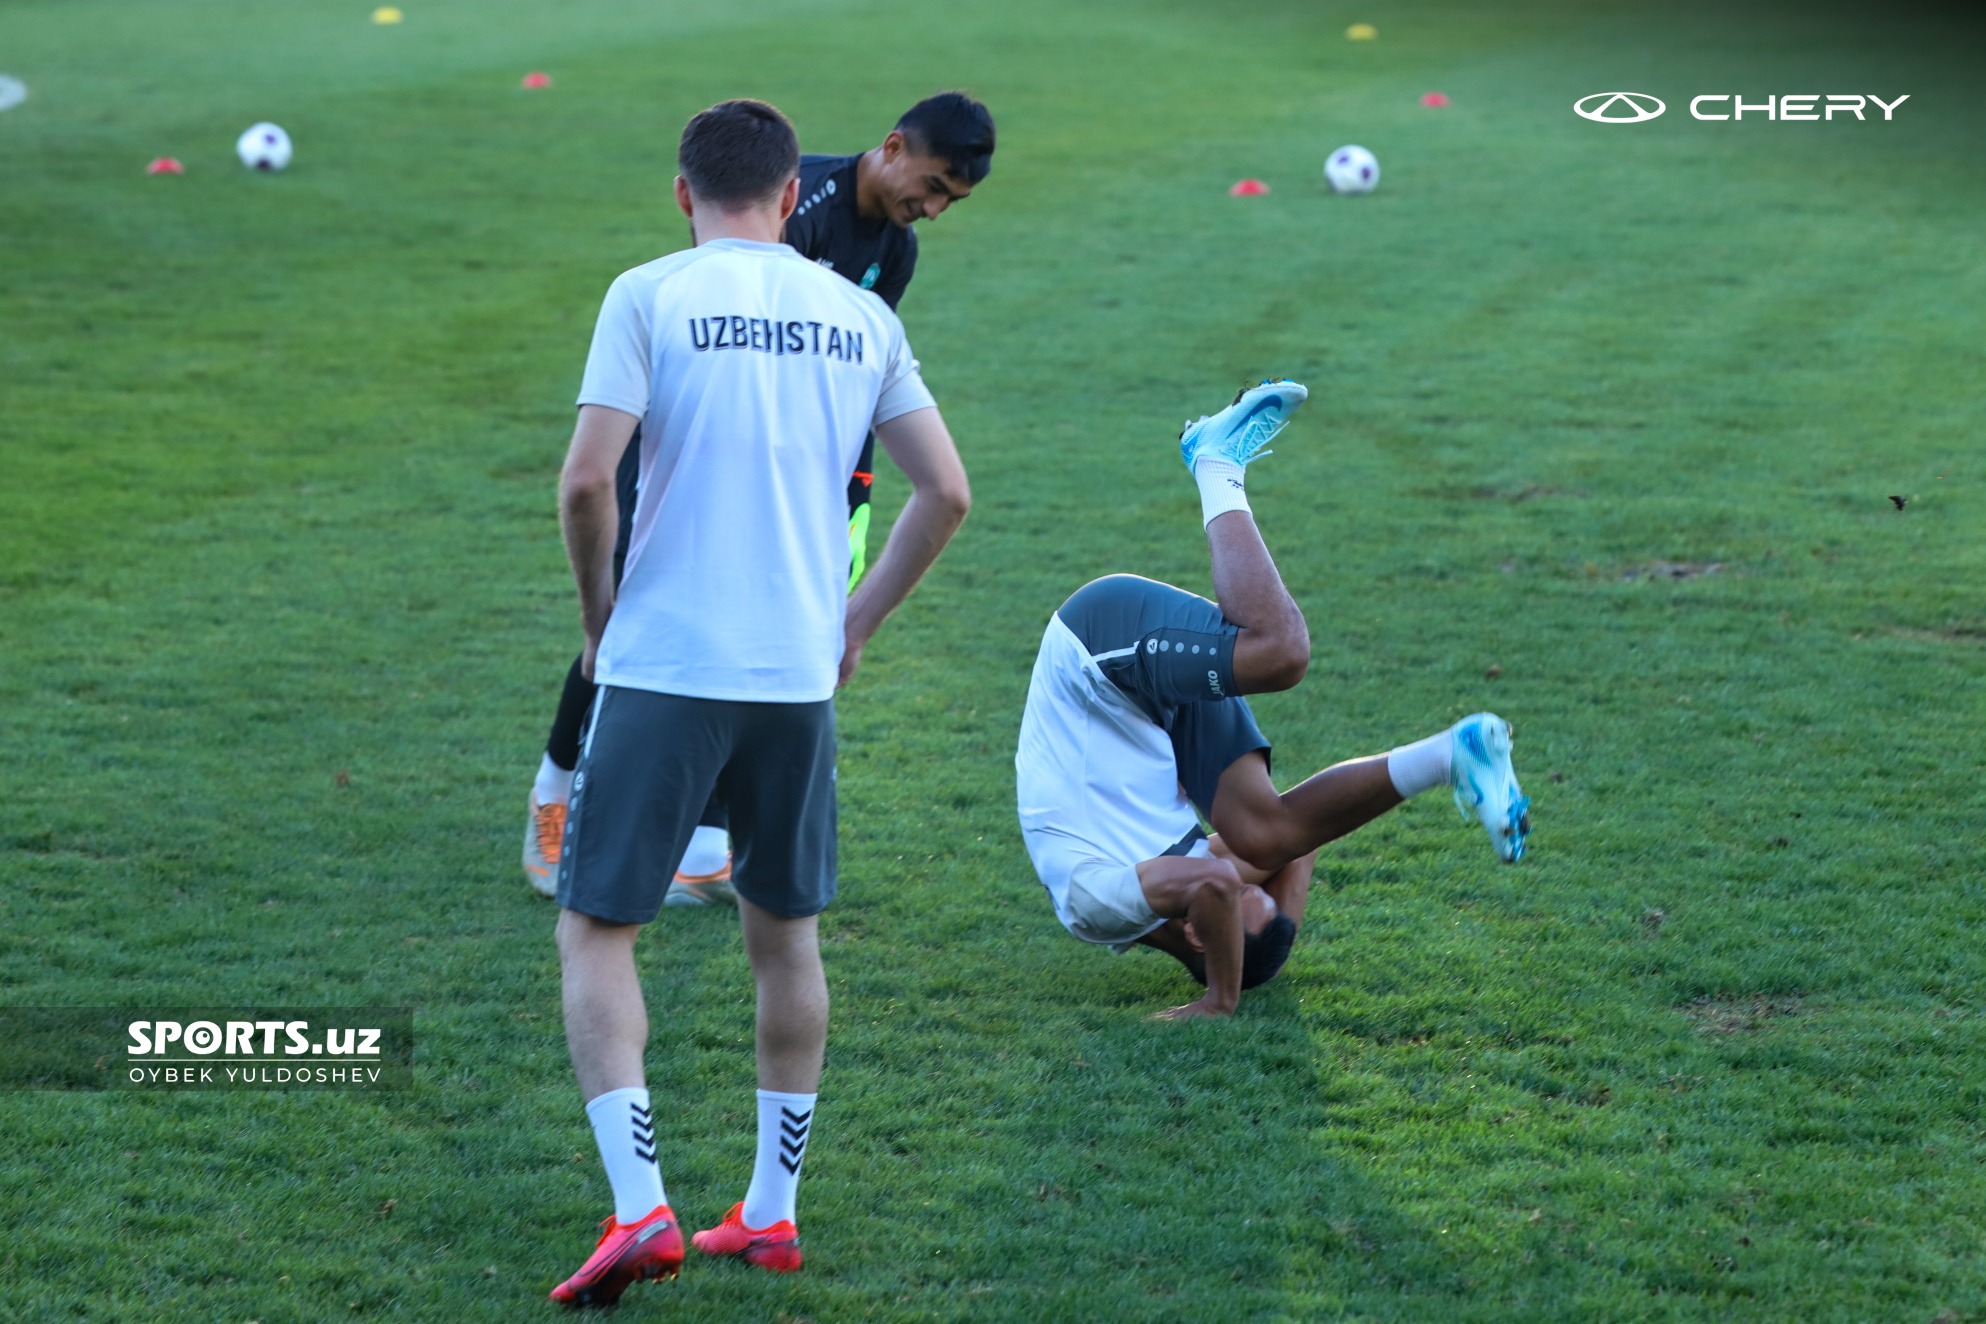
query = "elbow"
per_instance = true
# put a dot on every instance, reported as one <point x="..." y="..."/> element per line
<point x="581" y="489"/>
<point x="955" y="500"/>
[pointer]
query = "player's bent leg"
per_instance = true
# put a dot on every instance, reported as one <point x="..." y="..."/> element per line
<point x="1269" y="829"/>
<point x="1207" y="893"/>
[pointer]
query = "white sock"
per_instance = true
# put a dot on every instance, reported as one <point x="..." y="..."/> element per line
<point x="710" y="848"/>
<point x="625" y="1131"/>
<point x="1221" y="488"/>
<point x="784" y="1123"/>
<point x="554" y="784"/>
<point x="1421" y="766"/>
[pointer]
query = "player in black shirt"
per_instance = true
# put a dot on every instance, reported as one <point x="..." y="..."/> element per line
<point x="854" y="215"/>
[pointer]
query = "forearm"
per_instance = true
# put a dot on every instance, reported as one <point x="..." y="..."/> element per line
<point x="589" y="514"/>
<point x="926" y="524"/>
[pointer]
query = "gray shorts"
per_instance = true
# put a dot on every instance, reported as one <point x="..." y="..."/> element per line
<point x="650" y="764"/>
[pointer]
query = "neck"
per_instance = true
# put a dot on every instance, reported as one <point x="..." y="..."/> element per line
<point x="762" y="225"/>
<point x="868" y="186"/>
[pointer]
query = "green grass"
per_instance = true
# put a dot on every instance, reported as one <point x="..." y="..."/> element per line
<point x="278" y="503"/>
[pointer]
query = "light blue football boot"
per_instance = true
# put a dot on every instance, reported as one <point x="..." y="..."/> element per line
<point x="1243" y="430"/>
<point x="1486" y="785"/>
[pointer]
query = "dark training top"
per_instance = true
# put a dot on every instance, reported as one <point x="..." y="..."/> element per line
<point x="826" y="228"/>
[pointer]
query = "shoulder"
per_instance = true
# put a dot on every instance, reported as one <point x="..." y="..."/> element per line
<point x="825" y="181"/>
<point x="650" y="275"/>
<point x="816" y="167"/>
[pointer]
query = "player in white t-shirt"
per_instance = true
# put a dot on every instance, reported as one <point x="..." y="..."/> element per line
<point x="1135" y="728"/>
<point x="754" y="376"/>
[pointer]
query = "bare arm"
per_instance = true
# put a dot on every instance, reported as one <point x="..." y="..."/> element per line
<point x="1273" y="650"/>
<point x="589" y="515"/>
<point x="939" y="499"/>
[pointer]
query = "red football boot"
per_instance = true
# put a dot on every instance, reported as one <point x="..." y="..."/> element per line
<point x="628" y="1253"/>
<point x="776" y="1248"/>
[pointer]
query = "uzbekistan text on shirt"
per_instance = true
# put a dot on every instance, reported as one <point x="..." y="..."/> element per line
<point x="770" y="337"/>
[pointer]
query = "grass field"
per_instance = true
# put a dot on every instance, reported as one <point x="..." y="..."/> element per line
<point x="1612" y="412"/>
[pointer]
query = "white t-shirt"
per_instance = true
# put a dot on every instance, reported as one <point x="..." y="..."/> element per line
<point x="1096" y="779"/>
<point x="756" y="375"/>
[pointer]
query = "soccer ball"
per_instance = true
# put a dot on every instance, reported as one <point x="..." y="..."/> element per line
<point x="264" y="147"/>
<point x="1352" y="170"/>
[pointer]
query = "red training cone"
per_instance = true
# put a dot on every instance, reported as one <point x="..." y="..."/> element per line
<point x="165" y="165"/>
<point x="1248" y="188"/>
<point x="537" y="80"/>
<point x="1435" y="99"/>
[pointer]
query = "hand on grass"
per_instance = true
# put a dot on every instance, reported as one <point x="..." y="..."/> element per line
<point x="1206" y="1006"/>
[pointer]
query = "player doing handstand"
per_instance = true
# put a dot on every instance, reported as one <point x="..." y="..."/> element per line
<point x="1135" y="720"/>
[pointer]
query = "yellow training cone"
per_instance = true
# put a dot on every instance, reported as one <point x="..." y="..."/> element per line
<point x="1361" y="32"/>
<point x="387" y="14"/>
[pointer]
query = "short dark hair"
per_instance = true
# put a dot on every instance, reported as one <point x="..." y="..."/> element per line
<point x="1262" y="954"/>
<point x="954" y="127"/>
<point x="738" y="153"/>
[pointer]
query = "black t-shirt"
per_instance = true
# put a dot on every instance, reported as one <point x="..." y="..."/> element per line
<point x="827" y="228"/>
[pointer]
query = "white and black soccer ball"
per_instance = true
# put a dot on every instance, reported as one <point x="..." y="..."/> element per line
<point x="264" y="147"/>
<point x="1352" y="169"/>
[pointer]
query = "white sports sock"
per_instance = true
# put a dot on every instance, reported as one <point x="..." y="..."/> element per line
<point x="1221" y="487"/>
<point x="554" y="784"/>
<point x="709" y="848"/>
<point x="785" y="1120"/>
<point x="1421" y="766"/>
<point x="625" y="1131"/>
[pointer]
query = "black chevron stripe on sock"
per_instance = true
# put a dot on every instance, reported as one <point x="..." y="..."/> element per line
<point x="793" y="1128"/>
<point x="643" y="1129"/>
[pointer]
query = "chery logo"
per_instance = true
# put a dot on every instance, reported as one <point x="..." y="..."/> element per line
<point x="1638" y="107"/>
<point x="1619" y="107"/>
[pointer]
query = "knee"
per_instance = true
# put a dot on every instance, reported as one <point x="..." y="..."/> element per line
<point x="1288" y="660"/>
<point x="1261" y="843"/>
<point x="580" y="935"/>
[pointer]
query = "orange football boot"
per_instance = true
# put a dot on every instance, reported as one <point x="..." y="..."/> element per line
<point x="702" y="889"/>
<point x="628" y="1253"/>
<point x="544" y="839"/>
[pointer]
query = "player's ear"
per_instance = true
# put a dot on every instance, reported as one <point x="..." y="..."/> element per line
<point x="1192" y="938"/>
<point x="683" y="197"/>
<point x="789" y="198"/>
<point x="893" y="146"/>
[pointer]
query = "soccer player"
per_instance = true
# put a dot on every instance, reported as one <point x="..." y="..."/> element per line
<point x="754" y="376"/>
<point x="1135" y="719"/>
<point x="854" y="217"/>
